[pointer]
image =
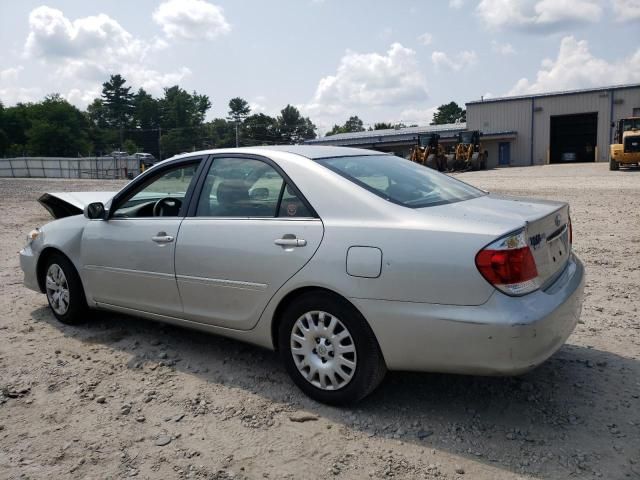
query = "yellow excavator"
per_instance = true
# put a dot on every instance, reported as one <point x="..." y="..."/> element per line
<point x="468" y="153"/>
<point x="625" y="150"/>
<point x="429" y="152"/>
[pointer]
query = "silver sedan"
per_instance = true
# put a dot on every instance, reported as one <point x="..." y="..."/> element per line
<point x="348" y="262"/>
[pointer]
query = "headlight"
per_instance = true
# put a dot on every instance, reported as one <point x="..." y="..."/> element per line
<point x="33" y="234"/>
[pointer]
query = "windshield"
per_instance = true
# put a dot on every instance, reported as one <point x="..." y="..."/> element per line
<point x="401" y="181"/>
<point x="425" y="140"/>
<point x="466" y="137"/>
<point x="630" y="124"/>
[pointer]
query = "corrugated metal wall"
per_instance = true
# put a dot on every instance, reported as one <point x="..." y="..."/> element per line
<point x="593" y="102"/>
<point x="504" y="116"/>
<point x="516" y="115"/>
<point x="54" y="167"/>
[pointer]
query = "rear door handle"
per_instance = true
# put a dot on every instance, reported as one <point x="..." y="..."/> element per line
<point x="162" y="237"/>
<point x="290" y="242"/>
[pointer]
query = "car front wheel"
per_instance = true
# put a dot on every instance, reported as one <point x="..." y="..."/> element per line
<point x="64" y="290"/>
<point x="329" y="350"/>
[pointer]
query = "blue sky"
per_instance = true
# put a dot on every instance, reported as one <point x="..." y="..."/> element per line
<point x="384" y="61"/>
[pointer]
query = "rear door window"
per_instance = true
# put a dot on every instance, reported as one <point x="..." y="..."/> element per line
<point x="247" y="187"/>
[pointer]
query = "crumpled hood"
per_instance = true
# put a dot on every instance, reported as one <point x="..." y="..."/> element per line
<point x="66" y="204"/>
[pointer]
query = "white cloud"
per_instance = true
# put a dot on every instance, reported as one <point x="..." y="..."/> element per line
<point x="462" y="60"/>
<point x="417" y="116"/>
<point x="191" y="19"/>
<point x="14" y="94"/>
<point x="365" y="80"/>
<point x="576" y="67"/>
<point x="10" y="74"/>
<point x="502" y="48"/>
<point x="11" y="91"/>
<point x="457" y="4"/>
<point x="626" y="10"/>
<point x="538" y="14"/>
<point x="425" y="39"/>
<point x="52" y="35"/>
<point x="85" y="51"/>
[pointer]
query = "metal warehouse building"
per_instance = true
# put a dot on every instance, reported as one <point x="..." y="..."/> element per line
<point x="572" y="126"/>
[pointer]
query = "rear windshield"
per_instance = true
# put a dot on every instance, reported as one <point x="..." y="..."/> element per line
<point x="401" y="181"/>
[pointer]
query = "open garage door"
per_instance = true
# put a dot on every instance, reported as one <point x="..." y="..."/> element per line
<point x="573" y="138"/>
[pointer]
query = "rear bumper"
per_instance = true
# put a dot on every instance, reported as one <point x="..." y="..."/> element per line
<point x="505" y="336"/>
<point x="28" y="264"/>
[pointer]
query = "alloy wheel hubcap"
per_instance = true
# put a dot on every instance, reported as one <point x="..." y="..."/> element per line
<point x="323" y="350"/>
<point x="57" y="289"/>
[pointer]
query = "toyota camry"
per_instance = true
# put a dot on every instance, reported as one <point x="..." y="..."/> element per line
<point x="348" y="262"/>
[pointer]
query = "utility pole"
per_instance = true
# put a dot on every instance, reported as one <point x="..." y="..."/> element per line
<point x="236" y="119"/>
<point x="159" y="142"/>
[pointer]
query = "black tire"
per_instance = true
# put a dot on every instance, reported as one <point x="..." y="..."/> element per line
<point x="77" y="306"/>
<point x="370" y="368"/>
<point x="613" y="165"/>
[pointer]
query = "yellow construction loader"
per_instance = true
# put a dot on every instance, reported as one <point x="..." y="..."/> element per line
<point x="625" y="150"/>
<point x="468" y="153"/>
<point x="429" y="152"/>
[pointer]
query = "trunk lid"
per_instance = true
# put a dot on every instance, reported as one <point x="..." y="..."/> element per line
<point x="546" y="225"/>
<point x="548" y="239"/>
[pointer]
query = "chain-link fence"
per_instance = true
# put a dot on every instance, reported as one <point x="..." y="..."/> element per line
<point x="62" y="167"/>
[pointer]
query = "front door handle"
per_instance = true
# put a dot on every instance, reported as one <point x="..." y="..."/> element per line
<point x="162" y="237"/>
<point x="290" y="241"/>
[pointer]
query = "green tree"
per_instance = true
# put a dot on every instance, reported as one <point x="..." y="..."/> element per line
<point x="146" y="111"/>
<point x="220" y="133"/>
<point x="180" y="109"/>
<point x="4" y="138"/>
<point x="97" y="113"/>
<point x="259" y="129"/>
<point x="130" y="146"/>
<point x="16" y="123"/>
<point x="238" y="108"/>
<point x="57" y="129"/>
<point x="182" y="117"/>
<point x="117" y="101"/>
<point x="449" y="113"/>
<point x="353" y="124"/>
<point x="293" y="127"/>
<point x="382" y="126"/>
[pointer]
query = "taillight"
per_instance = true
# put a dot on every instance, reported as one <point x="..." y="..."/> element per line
<point x="508" y="265"/>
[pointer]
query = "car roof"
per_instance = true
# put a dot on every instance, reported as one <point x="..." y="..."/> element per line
<point x="312" y="152"/>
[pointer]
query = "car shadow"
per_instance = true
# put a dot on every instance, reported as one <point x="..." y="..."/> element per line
<point x="577" y="415"/>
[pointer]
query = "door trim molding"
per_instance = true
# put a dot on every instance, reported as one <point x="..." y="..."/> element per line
<point x="141" y="273"/>
<point x="223" y="282"/>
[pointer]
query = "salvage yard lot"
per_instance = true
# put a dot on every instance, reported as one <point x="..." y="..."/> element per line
<point x="122" y="397"/>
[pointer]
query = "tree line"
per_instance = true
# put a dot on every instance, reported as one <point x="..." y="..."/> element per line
<point x="138" y="122"/>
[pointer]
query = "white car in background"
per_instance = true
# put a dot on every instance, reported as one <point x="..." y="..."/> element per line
<point x="348" y="262"/>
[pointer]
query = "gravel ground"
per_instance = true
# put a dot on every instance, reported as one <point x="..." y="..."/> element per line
<point x="122" y="397"/>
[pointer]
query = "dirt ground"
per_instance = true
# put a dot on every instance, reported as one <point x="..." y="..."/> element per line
<point x="124" y="397"/>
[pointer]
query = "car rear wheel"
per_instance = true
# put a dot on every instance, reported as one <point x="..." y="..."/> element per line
<point x="64" y="290"/>
<point x="329" y="350"/>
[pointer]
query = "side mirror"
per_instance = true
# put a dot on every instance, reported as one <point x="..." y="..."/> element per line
<point x="95" y="211"/>
<point x="260" y="193"/>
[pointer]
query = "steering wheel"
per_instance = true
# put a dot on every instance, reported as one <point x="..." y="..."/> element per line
<point x="167" y="207"/>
